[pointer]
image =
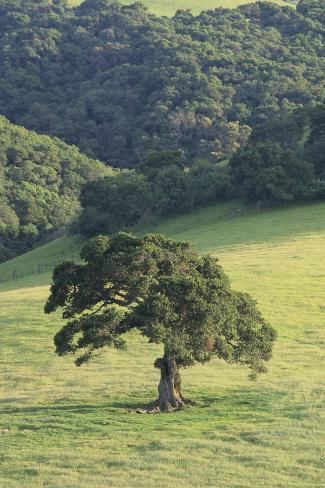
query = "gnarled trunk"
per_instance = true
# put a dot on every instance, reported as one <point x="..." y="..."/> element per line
<point x="169" y="388"/>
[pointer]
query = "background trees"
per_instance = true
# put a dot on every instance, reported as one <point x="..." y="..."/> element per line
<point x="172" y="98"/>
<point x="40" y="180"/>
<point x="161" y="185"/>
<point x="283" y="159"/>
<point x="121" y="83"/>
<point x="170" y="294"/>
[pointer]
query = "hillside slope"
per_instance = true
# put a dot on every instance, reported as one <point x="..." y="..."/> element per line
<point x="40" y="181"/>
<point x="69" y="427"/>
<point x="120" y="82"/>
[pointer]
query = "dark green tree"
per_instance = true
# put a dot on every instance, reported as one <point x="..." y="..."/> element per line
<point x="314" y="149"/>
<point x="283" y="159"/>
<point x="161" y="160"/>
<point x="172" y="295"/>
<point x="116" y="202"/>
<point x="269" y="173"/>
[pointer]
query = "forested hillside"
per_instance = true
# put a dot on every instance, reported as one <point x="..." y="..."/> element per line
<point x="40" y="181"/>
<point x="284" y="159"/>
<point x="119" y="82"/>
<point x="173" y="97"/>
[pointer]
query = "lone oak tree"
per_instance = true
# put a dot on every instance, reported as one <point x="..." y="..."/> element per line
<point x="167" y="291"/>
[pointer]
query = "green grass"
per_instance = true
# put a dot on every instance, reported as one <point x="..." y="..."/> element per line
<point x="39" y="261"/>
<point x="169" y="7"/>
<point x="61" y="426"/>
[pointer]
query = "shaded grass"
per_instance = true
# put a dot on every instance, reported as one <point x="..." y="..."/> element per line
<point x="231" y="225"/>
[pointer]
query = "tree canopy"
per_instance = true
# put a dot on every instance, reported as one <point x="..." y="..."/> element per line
<point x="121" y="83"/>
<point x="161" y="185"/>
<point x="284" y="159"/>
<point x="172" y="295"/>
<point x="171" y="100"/>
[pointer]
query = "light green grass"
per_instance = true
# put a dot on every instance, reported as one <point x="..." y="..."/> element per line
<point x="39" y="261"/>
<point x="169" y="7"/>
<point x="61" y="426"/>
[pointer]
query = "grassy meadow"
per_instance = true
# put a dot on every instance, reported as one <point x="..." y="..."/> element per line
<point x="38" y="262"/>
<point x="62" y="426"/>
<point x="169" y="7"/>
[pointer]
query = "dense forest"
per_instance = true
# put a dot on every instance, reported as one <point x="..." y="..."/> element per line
<point x="161" y="185"/>
<point x="283" y="161"/>
<point x="41" y="178"/>
<point x="194" y="109"/>
<point x="40" y="181"/>
<point x="120" y="82"/>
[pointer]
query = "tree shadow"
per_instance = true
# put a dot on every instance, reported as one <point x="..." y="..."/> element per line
<point x="236" y="404"/>
<point x="75" y="408"/>
<point x="242" y="404"/>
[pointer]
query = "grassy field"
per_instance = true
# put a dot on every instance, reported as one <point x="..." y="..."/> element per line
<point x="38" y="261"/>
<point x="169" y="7"/>
<point x="61" y="426"/>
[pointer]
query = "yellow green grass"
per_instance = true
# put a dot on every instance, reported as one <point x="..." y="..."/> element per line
<point x="61" y="426"/>
<point x="39" y="261"/>
<point x="169" y="7"/>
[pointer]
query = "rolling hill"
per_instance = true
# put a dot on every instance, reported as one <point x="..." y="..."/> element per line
<point x="65" y="427"/>
<point x="40" y="181"/>
<point x="120" y="83"/>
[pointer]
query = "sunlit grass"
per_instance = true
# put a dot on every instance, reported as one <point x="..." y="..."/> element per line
<point x="61" y="426"/>
<point x="169" y="7"/>
<point x="38" y="261"/>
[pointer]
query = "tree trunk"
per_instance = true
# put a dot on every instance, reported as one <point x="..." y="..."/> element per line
<point x="169" y="389"/>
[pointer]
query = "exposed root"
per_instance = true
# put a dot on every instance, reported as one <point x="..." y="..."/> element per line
<point x="155" y="407"/>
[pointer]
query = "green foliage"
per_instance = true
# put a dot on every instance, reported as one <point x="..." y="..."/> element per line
<point x="314" y="147"/>
<point x="209" y="183"/>
<point x="164" y="289"/>
<point x="39" y="187"/>
<point x="161" y="185"/>
<point x="121" y="83"/>
<point x="315" y="9"/>
<point x="283" y="160"/>
<point x="116" y="202"/>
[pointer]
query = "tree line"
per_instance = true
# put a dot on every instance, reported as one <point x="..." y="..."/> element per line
<point x="161" y="185"/>
<point x="283" y="161"/>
